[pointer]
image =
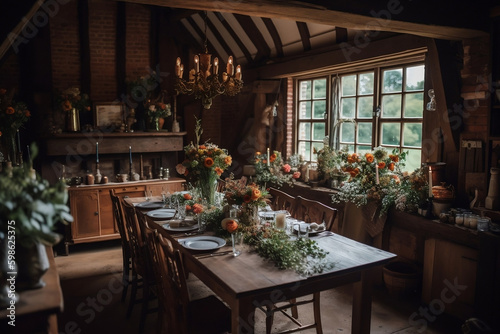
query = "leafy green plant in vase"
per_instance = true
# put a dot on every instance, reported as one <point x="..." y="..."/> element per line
<point x="30" y="209"/>
<point x="330" y="164"/>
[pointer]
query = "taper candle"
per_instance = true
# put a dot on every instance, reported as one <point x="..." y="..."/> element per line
<point x="29" y="154"/>
<point x="130" y="153"/>
<point x="377" y="181"/>
<point x="97" y="152"/>
<point x="430" y="182"/>
<point x="268" y="158"/>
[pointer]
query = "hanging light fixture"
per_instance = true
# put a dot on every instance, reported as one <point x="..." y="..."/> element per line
<point x="203" y="81"/>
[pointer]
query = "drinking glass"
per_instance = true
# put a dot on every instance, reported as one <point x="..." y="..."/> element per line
<point x="303" y="230"/>
<point x="201" y="224"/>
<point x="236" y="239"/>
<point x="280" y="221"/>
<point x="148" y="194"/>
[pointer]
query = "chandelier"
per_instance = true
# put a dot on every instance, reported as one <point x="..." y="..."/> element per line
<point x="203" y="81"/>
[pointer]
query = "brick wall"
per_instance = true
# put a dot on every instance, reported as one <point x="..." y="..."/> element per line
<point x="102" y="43"/>
<point x="476" y="75"/>
<point x="138" y="19"/>
<point x="65" y="47"/>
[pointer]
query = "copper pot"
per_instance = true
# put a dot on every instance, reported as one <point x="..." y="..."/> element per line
<point x="443" y="192"/>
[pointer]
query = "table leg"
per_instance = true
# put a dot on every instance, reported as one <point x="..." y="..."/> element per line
<point x="243" y="317"/>
<point x="362" y="303"/>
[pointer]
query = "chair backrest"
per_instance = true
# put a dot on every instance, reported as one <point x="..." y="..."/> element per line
<point x="118" y="216"/>
<point x="133" y="232"/>
<point x="221" y="185"/>
<point x="312" y="211"/>
<point x="282" y="201"/>
<point x="173" y="283"/>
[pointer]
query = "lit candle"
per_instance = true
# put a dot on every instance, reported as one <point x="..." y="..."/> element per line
<point x="216" y="65"/>
<point x="181" y="72"/>
<point x="230" y="67"/>
<point x="430" y="182"/>
<point x="268" y="157"/>
<point x="97" y="152"/>
<point x="178" y="67"/>
<point x="377" y="181"/>
<point x="238" y="72"/>
<point x="130" y="153"/>
<point x="196" y="63"/>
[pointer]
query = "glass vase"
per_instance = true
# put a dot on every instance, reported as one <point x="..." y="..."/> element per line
<point x="207" y="185"/>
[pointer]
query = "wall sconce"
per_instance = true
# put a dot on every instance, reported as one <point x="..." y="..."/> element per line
<point x="431" y="105"/>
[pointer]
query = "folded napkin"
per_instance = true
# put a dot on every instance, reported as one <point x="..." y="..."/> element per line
<point x="180" y="223"/>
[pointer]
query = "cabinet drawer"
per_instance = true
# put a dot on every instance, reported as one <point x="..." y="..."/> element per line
<point x="130" y="189"/>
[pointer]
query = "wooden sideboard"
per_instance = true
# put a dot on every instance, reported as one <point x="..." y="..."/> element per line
<point x="92" y="211"/>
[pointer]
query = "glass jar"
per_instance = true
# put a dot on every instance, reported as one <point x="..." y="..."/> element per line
<point x="459" y="219"/>
<point x="483" y="224"/>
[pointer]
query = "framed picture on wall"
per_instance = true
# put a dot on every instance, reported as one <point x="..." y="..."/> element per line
<point x="109" y="115"/>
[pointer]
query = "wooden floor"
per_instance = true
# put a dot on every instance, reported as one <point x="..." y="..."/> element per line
<point x="91" y="283"/>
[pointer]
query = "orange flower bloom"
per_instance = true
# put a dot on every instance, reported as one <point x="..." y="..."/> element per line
<point x="202" y="147"/>
<point x="231" y="226"/>
<point x="27" y="113"/>
<point x="257" y="153"/>
<point x="255" y="194"/>
<point x="391" y="166"/>
<point x="10" y="111"/>
<point x="228" y="160"/>
<point x="67" y="105"/>
<point x="197" y="208"/>
<point x="296" y="175"/>
<point x="209" y="162"/>
<point x="188" y="207"/>
<point x="369" y="157"/>
<point x="394" y="158"/>
<point x="218" y="170"/>
<point x="272" y="158"/>
<point x="381" y="165"/>
<point x="264" y="161"/>
<point x="187" y="196"/>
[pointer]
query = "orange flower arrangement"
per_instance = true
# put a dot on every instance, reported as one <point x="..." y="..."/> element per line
<point x="13" y="114"/>
<point x="239" y="193"/>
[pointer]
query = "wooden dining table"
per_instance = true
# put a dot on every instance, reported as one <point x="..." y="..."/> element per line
<point x="248" y="281"/>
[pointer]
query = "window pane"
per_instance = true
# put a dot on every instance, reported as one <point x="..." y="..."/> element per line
<point x="365" y="84"/>
<point x="319" y="109"/>
<point x="320" y="89"/>
<point x="391" y="106"/>
<point x="347" y="132"/>
<point x="365" y="107"/>
<point x="349" y="85"/>
<point x="393" y="81"/>
<point x="304" y="150"/>
<point x="305" y="131"/>
<point x="305" y="110"/>
<point x="365" y="133"/>
<point x="414" y="105"/>
<point x="412" y="134"/>
<point x="364" y="149"/>
<point x="415" y="78"/>
<point x="413" y="160"/>
<point x="347" y="107"/>
<point x="317" y="146"/>
<point x="390" y="133"/>
<point x="319" y="131"/>
<point x="305" y="90"/>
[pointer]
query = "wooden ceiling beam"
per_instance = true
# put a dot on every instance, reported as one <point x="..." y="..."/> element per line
<point x="307" y="12"/>
<point x="236" y="38"/>
<point x="263" y="50"/>
<point x="278" y="44"/>
<point x="304" y="35"/>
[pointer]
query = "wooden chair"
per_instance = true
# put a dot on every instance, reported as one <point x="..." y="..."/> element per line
<point x="282" y="201"/>
<point x="179" y="314"/>
<point x="126" y="254"/>
<point x="143" y="269"/>
<point x="312" y="211"/>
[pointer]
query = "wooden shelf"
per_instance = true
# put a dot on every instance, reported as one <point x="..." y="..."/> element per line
<point x="113" y="143"/>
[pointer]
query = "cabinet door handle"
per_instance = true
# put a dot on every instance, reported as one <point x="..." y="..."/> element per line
<point x="96" y="213"/>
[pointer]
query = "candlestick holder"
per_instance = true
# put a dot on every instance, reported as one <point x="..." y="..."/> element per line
<point x="20" y="158"/>
<point x="429" y="214"/>
<point x="98" y="176"/>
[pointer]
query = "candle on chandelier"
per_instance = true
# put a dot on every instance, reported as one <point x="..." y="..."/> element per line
<point x="216" y="66"/>
<point x="97" y="152"/>
<point x="181" y="72"/>
<point x="230" y="66"/>
<point x="130" y="153"/>
<point x="430" y="182"/>
<point x="196" y="63"/>
<point x="238" y="72"/>
<point x="178" y="67"/>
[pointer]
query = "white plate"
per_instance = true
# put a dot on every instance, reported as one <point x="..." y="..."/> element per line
<point x="161" y="214"/>
<point x="150" y="205"/>
<point x="311" y="232"/>
<point x="180" y="229"/>
<point x="203" y="243"/>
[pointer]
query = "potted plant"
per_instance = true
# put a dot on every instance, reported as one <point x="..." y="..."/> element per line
<point x="330" y="166"/>
<point x="30" y="208"/>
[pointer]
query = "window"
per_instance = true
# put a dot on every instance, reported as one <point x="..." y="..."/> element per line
<point x="382" y="106"/>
